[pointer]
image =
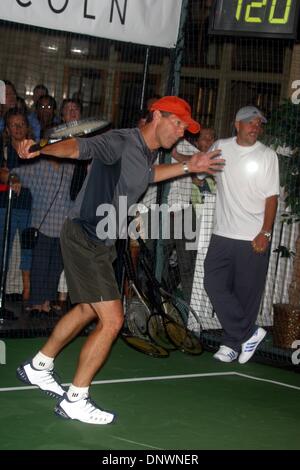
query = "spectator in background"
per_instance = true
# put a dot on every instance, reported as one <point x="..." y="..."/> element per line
<point x="13" y="101"/>
<point x="38" y="91"/>
<point x="17" y="128"/>
<point x="34" y="125"/>
<point x="45" y="108"/>
<point x="70" y="110"/>
<point x="205" y="140"/>
<point x="182" y="191"/>
<point x="237" y="259"/>
<point x="49" y="183"/>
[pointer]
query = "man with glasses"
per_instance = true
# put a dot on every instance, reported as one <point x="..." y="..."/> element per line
<point x="45" y="109"/>
<point x="237" y="258"/>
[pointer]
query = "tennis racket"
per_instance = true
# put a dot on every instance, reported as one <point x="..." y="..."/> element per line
<point x="70" y="129"/>
<point x="188" y="337"/>
<point x="137" y="313"/>
<point x="161" y="325"/>
<point x="174" y="319"/>
<point x="156" y="325"/>
<point x="145" y="346"/>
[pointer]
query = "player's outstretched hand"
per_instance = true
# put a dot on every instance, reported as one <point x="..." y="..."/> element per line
<point x="209" y="162"/>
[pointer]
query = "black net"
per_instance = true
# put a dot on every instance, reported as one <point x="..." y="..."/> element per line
<point x="113" y="80"/>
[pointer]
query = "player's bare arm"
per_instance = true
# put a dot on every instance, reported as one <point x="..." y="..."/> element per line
<point x="64" y="149"/>
<point x="209" y="163"/>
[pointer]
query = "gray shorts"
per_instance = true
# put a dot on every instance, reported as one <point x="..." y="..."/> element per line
<point x="88" y="266"/>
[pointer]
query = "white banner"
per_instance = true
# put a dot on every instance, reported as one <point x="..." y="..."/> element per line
<point x="150" y="22"/>
<point x="2" y="92"/>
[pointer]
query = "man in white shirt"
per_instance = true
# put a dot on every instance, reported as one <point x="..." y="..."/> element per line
<point x="237" y="259"/>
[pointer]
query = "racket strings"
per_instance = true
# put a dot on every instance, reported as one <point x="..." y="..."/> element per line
<point x="76" y="128"/>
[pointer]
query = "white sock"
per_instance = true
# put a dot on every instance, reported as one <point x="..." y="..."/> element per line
<point x="40" y="361"/>
<point x="76" y="393"/>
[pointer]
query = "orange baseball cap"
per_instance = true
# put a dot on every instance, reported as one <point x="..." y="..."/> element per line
<point x="179" y="107"/>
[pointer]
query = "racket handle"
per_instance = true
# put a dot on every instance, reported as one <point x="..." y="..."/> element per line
<point x="38" y="147"/>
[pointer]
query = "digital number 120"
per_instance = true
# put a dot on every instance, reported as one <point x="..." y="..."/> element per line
<point x="249" y="18"/>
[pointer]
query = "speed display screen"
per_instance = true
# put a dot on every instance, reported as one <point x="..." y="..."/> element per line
<point x="264" y="18"/>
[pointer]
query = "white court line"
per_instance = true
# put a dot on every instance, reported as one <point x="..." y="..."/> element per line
<point x="163" y="377"/>
<point x="138" y="443"/>
<point x="133" y="379"/>
<point x="267" y="380"/>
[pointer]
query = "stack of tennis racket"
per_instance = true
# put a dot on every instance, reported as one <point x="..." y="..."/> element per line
<point x="156" y="321"/>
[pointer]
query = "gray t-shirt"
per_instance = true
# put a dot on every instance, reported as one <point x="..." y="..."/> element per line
<point x="119" y="174"/>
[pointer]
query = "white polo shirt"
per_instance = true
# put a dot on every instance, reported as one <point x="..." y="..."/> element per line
<point x="250" y="176"/>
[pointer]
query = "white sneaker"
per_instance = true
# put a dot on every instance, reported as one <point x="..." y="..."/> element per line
<point x="42" y="378"/>
<point x="225" y="354"/>
<point x="84" y="410"/>
<point x="249" y="347"/>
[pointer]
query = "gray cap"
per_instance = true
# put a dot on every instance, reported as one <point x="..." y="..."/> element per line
<point x="248" y="113"/>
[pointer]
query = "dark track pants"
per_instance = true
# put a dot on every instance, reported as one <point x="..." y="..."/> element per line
<point x="234" y="279"/>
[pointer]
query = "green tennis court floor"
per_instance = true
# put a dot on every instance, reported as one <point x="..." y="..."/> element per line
<point x="179" y="403"/>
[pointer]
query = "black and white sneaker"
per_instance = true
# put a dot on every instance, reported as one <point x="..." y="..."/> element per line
<point x="44" y="379"/>
<point x="84" y="410"/>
